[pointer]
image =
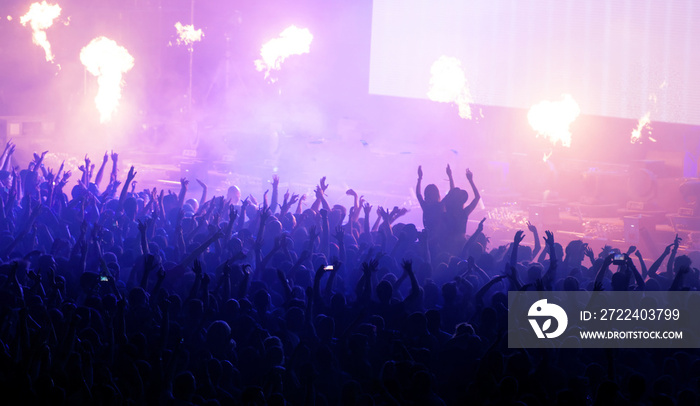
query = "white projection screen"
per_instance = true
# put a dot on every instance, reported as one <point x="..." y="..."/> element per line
<point x="617" y="58"/>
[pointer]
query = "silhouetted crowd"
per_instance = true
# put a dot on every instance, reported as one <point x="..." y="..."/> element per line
<point x="115" y="296"/>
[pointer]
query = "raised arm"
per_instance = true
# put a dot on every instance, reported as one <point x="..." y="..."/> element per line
<point x="672" y="258"/>
<point x="100" y="172"/>
<point x="657" y="264"/>
<point x="448" y="171"/>
<point x="407" y="266"/>
<point x="302" y="199"/>
<point x="551" y="273"/>
<point x="477" y="197"/>
<point x="533" y="229"/>
<point x="419" y="194"/>
<point x="637" y="276"/>
<point x="472" y="238"/>
<point x="325" y="234"/>
<point x="200" y="249"/>
<point x="642" y="264"/>
<point x="7" y="155"/>
<point x="113" y="174"/>
<point x="274" y="199"/>
<point x="603" y="269"/>
<point x="129" y="178"/>
<point x="204" y="191"/>
<point x="517" y="239"/>
<point x="183" y="192"/>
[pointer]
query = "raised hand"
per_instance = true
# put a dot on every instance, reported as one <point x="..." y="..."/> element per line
<point x="480" y="227"/>
<point x="275" y="181"/>
<point x="294" y="198"/>
<point x="369" y="267"/>
<point x="323" y="184"/>
<point x="339" y="234"/>
<point x="407" y="265"/>
<point x="132" y="174"/>
<point x="318" y="192"/>
<point x="142" y="226"/>
<point x="368" y="209"/>
<point x="232" y="214"/>
<point x="549" y="238"/>
<point x="420" y="172"/>
<point x="531" y="227"/>
<point x="519" y="237"/>
<point x="448" y="171"/>
<point x="470" y="175"/>
<point x="264" y="215"/>
<point x="253" y="200"/>
<point x="197" y="267"/>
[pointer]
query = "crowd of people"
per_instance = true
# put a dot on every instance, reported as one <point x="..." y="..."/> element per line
<point x="116" y="296"/>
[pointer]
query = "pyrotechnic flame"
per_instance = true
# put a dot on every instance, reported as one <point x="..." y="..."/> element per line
<point x="40" y="17"/>
<point x="552" y="119"/>
<point x="291" y="41"/>
<point x="107" y="60"/>
<point x="187" y="34"/>
<point x="643" y="123"/>
<point x="448" y="84"/>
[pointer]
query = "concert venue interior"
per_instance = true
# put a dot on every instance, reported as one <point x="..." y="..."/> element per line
<point x="578" y="116"/>
<point x="368" y="100"/>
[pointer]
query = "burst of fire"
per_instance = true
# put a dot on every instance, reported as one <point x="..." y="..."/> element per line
<point x="291" y="41"/>
<point x="187" y="34"/>
<point x="552" y="119"/>
<point x="40" y="17"/>
<point x="107" y="60"/>
<point x="448" y="84"/>
<point x="643" y="123"/>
